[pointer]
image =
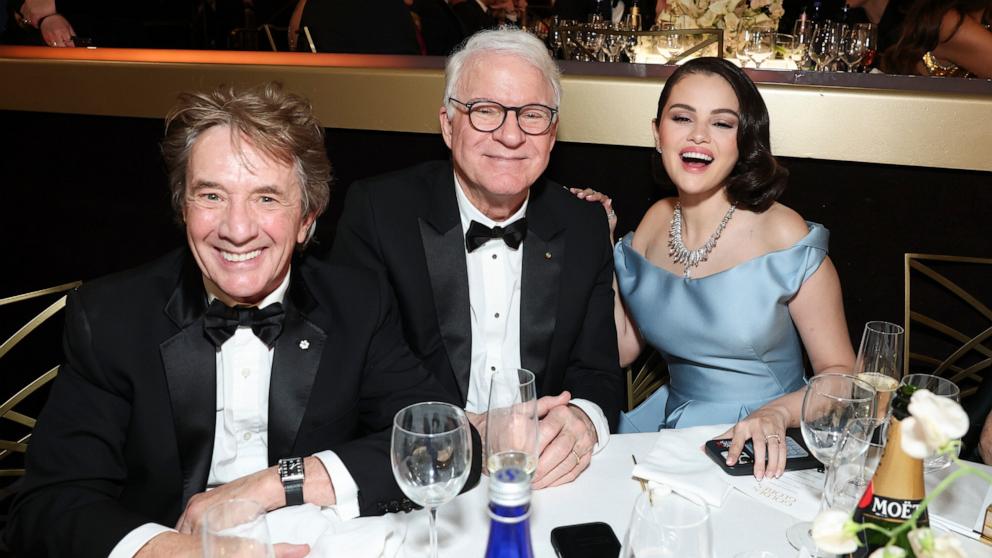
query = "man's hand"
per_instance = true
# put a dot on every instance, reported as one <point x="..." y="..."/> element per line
<point x="263" y="487"/>
<point x="56" y="31"/>
<point x="34" y="10"/>
<point x="566" y="438"/>
<point x="176" y="545"/>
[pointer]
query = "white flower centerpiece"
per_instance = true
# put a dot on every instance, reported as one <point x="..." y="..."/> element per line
<point x="935" y="426"/>
<point x="733" y="16"/>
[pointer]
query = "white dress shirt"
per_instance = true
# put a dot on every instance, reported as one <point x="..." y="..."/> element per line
<point x="494" y="272"/>
<point x="241" y="439"/>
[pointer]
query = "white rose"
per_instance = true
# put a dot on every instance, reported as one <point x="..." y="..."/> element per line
<point x="888" y="552"/>
<point x="926" y="545"/>
<point x="934" y="421"/>
<point x="831" y="533"/>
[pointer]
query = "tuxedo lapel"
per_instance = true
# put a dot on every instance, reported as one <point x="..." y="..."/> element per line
<point x="544" y="249"/>
<point x="190" y="363"/>
<point x="295" y="361"/>
<point x="444" y="250"/>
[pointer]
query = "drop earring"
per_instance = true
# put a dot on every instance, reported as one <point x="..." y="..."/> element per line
<point x="658" y="149"/>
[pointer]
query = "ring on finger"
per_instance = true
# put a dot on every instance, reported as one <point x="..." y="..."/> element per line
<point x="577" y="458"/>
<point x="770" y="436"/>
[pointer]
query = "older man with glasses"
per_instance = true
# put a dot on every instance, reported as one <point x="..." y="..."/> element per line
<point x="494" y="266"/>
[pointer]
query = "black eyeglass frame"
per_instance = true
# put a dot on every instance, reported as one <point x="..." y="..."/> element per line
<point x="507" y="110"/>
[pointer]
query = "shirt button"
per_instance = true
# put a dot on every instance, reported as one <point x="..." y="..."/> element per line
<point x="497" y="314"/>
<point x="245" y="372"/>
<point x="494" y="256"/>
<point x="247" y="436"/>
<point x="492" y="368"/>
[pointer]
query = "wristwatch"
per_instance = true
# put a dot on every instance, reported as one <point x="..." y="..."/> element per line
<point x="291" y="475"/>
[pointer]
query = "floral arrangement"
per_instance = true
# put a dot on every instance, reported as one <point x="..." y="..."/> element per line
<point x="724" y="14"/>
<point x="935" y="426"/>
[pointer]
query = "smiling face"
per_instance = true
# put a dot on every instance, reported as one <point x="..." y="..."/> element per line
<point x="496" y="168"/>
<point x="243" y="216"/>
<point x="697" y="133"/>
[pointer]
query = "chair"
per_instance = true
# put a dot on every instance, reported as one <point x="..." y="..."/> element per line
<point x="646" y="393"/>
<point x="948" y="327"/>
<point x="14" y="437"/>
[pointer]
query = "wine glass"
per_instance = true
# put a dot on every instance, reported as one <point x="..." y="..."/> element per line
<point x="787" y="45"/>
<point x="511" y="421"/>
<point x="830" y="403"/>
<point x="668" y="524"/>
<point x="880" y="361"/>
<point x="615" y="42"/>
<point x="758" y="45"/>
<point x="825" y="45"/>
<point x="852" y="48"/>
<point x="943" y="388"/>
<point x="802" y="31"/>
<point x="858" y="455"/>
<point x="431" y="454"/>
<point x="236" y="528"/>
<point x="870" y="31"/>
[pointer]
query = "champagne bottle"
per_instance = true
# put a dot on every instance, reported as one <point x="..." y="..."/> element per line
<point x="635" y="15"/>
<point x="896" y="490"/>
<point x="509" y="510"/>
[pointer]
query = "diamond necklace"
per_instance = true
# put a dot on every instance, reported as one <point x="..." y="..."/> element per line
<point x="691" y="258"/>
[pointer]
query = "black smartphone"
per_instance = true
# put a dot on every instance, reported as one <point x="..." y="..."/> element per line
<point x="585" y="540"/>
<point x="797" y="458"/>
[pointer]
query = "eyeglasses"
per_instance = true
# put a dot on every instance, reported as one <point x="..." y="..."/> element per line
<point x="489" y="116"/>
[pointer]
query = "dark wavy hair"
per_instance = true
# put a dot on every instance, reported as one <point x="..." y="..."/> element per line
<point x="921" y="31"/>
<point x="757" y="180"/>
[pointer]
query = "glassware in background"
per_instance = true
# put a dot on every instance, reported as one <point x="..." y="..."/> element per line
<point x="668" y="525"/>
<point x="236" y="528"/>
<point x="831" y="402"/>
<point x="880" y="361"/>
<point x="511" y="421"/>
<point x="614" y="43"/>
<point x="785" y="45"/>
<point x="858" y="455"/>
<point x="668" y="46"/>
<point x="944" y="388"/>
<point x="431" y="454"/>
<point x="852" y="47"/>
<point x="825" y="45"/>
<point x="757" y="45"/>
<point x="871" y="45"/>
<point x="802" y="31"/>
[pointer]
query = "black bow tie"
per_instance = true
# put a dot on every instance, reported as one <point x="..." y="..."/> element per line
<point x="512" y="234"/>
<point x="221" y="321"/>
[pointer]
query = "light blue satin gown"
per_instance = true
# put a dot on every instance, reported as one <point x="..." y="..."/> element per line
<point x="728" y="338"/>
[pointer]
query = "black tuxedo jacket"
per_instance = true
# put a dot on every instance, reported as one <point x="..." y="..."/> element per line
<point x="128" y="431"/>
<point x="407" y="224"/>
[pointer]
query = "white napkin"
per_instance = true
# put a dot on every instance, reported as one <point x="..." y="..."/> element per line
<point x="329" y="536"/>
<point x="679" y="462"/>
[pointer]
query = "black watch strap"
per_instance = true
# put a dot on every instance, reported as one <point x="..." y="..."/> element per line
<point x="291" y="474"/>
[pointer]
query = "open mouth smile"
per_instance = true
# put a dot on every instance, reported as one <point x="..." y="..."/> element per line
<point x="233" y="257"/>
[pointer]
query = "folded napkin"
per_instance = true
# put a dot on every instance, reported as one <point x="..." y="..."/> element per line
<point x="329" y="536"/>
<point x="679" y="462"/>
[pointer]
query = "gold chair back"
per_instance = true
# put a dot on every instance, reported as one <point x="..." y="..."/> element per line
<point x="644" y="376"/>
<point x="948" y="326"/>
<point x="18" y="442"/>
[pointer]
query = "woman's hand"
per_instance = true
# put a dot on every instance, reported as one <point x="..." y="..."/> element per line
<point x="56" y="31"/>
<point x="591" y="195"/>
<point x="766" y="430"/>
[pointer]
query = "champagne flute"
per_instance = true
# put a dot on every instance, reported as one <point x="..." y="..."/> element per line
<point x="830" y="403"/>
<point x="823" y="49"/>
<point x="880" y="361"/>
<point x="236" y="528"/>
<point x="858" y="455"/>
<point x="668" y="524"/>
<point x="511" y="421"/>
<point x="943" y="388"/>
<point x="431" y="455"/>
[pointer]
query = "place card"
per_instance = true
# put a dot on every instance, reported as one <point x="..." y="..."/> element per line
<point x="796" y="493"/>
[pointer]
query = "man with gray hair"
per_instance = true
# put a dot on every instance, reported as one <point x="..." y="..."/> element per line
<point x="235" y="363"/>
<point x="494" y="266"/>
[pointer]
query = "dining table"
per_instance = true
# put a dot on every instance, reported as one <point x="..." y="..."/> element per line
<point x="605" y="492"/>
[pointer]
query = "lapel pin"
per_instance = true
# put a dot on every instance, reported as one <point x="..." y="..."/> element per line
<point x="547" y="255"/>
<point x="304" y="344"/>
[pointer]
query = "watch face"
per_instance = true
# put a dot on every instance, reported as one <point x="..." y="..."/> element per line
<point x="291" y="469"/>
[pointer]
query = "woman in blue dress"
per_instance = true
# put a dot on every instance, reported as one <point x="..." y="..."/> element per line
<point x="723" y="280"/>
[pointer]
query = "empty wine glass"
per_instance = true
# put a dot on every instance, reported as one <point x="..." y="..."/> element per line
<point x="431" y="454"/>
<point x="236" y="528"/>
<point x="802" y="31"/>
<point x="880" y="361"/>
<point x="511" y="421"/>
<point x="852" y="47"/>
<point x="858" y="455"/>
<point x="667" y="524"/>
<point x="758" y="45"/>
<point x="669" y="46"/>
<point x="944" y="388"/>
<point x="786" y="44"/>
<point x="614" y="43"/>
<point x="831" y="402"/>
<point x="825" y="45"/>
